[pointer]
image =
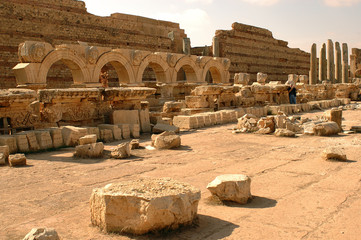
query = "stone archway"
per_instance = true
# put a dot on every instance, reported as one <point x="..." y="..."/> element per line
<point x="158" y="65"/>
<point x="191" y="70"/>
<point x="76" y="65"/>
<point x="122" y="66"/>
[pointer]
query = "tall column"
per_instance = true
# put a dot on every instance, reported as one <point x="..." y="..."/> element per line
<point x="338" y="69"/>
<point x="322" y="64"/>
<point x="187" y="46"/>
<point x="330" y="62"/>
<point x="215" y="47"/>
<point x="344" y="63"/>
<point x="313" y="67"/>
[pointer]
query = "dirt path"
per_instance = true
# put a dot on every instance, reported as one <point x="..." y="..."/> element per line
<point x="297" y="194"/>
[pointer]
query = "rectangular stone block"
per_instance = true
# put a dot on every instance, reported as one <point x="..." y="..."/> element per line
<point x="56" y="137"/>
<point x="225" y="117"/>
<point x="44" y="139"/>
<point x="218" y="118"/>
<point x="200" y="121"/>
<point x="94" y="130"/>
<point x="135" y="130"/>
<point x="4" y="151"/>
<point x="88" y="139"/>
<point x="22" y="143"/>
<point x="117" y="132"/>
<point x="32" y="141"/>
<point x="144" y="121"/>
<point x="212" y="117"/>
<point x="207" y="120"/>
<point x="125" y="130"/>
<point x="72" y="134"/>
<point x="125" y="117"/>
<point x="9" y="141"/>
<point x="106" y="135"/>
<point x="185" y="122"/>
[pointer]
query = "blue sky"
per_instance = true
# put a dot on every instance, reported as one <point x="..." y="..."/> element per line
<point x="300" y="22"/>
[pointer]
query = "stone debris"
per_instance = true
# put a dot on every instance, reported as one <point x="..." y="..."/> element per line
<point x="94" y="150"/>
<point x="144" y="205"/>
<point x="106" y="135"/>
<point x="2" y="159"/>
<point x="356" y="129"/>
<point x="116" y="131"/>
<point x="248" y="123"/>
<point x="121" y="151"/>
<point x="134" y="144"/>
<point x="42" y="234"/>
<point x="72" y="134"/>
<point x="166" y="140"/>
<point x="326" y="129"/>
<point x="281" y="132"/>
<point x="334" y="115"/>
<point x="231" y="187"/>
<point x="266" y="125"/>
<point x="9" y="141"/>
<point x="159" y="128"/>
<point x="17" y="160"/>
<point x="88" y="139"/>
<point x="334" y="153"/>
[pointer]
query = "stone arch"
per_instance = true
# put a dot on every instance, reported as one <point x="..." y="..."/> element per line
<point x="121" y="64"/>
<point x="75" y="63"/>
<point x="159" y="66"/>
<point x="216" y="69"/>
<point x="192" y="71"/>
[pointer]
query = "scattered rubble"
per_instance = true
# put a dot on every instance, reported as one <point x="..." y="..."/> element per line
<point x="334" y="153"/>
<point x="42" y="234"/>
<point x="121" y="151"/>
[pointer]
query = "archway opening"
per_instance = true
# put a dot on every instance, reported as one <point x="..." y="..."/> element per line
<point x="116" y="72"/>
<point x="59" y="76"/>
<point x="154" y="73"/>
<point x="213" y="76"/>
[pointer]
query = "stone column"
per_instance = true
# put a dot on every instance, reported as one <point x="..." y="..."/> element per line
<point x="187" y="46"/>
<point x="322" y="64"/>
<point x="330" y="62"/>
<point x="313" y="67"/>
<point x="344" y="63"/>
<point x="215" y="47"/>
<point x="338" y="69"/>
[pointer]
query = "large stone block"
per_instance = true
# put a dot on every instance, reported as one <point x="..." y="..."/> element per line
<point x="106" y="135"/>
<point x="88" y="139"/>
<point x="121" y="151"/>
<point x="231" y="187"/>
<point x="159" y="128"/>
<point x="135" y="130"/>
<point x="22" y="143"/>
<point x="334" y="115"/>
<point x="42" y="234"/>
<point x="94" y="130"/>
<point x="167" y="140"/>
<point x="125" y="130"/>
<point x="117" y="132"/>
<point x="72" y="134"/>
<point x="94" y="150"/>
<point x="9" y="141"/>
<point x="144" y="205"/>
<point x="144" y="121"/>
<point x="44" y="139"/>
<point x="334" y="153"/>
<point x="17" y="160"/>
<point x="56" y="137"/>
<point x="327" y="129"/>
<point x="125" y="117"/>
<point x="185" y="122"/>
<point x="32" y="141"/>
<point x="4" y="151"/>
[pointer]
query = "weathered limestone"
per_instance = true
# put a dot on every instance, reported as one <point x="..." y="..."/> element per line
<point x="94" y="150"/>
<point x="125" y="117"/>
<point x="326" y="129"/>
<point x="72" y="134"/>
<point x="17" y="160"/>
<point x="262" y="78"/>
<point x="116" y="131"/>
<point x="313" y="66"/>
<point x="121" y="151"/>
<point x="9" y="141"/>
<point x="231" y="187"/>
<point x="166" y="140"/>
<point x="334" y="153"/>
<point x="93" y="130"/>
<point x="322" y="69"/>
<point x="185" y="122"/>
<point x="248" y="123"/>
<point x="44" y="139"/>
<point x="134" y="144"/>
<point x="134" y="130"/>
<point x="281" y="132"/>
<point x="56" y="137"/>
<point x="22" y="143"/>
<point x="144" y="121"/>
<point x="334" y="115"/>
<point x="106" y="135"/>
<point x="42" y="234"/>
<point x="344" y="63"/>
<point x="242" y="78"/>
<point x="159" y="128"/>
<point x="125" y="130"/>
<point x="4" y="153"/>
<point x="216" y="52"/>
<point x="88" y="139"/>
<point x="32" y="140"/>
<point x="338" y="66"/>
<point x="330" y="62"/>
<point x="187" y="46"/>
<point x="144" y="205"/>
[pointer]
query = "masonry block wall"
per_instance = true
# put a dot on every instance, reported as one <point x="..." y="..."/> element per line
<point x="67" y="22"/>
<point x="252" y="50"/>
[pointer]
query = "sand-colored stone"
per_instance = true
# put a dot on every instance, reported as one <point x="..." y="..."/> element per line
<point x="334" y="153"/>
<point x="94" y="150"/>
<point x="167" y="140"/>
<point x="144" y="205"/>
<point x="159" y="128"/>
<point x="88" y="139"/>
<point x="42" y="234"/>
<point x="121" y="151"/>
<point x="72" y="134"/>
<point x="17" y="160"/>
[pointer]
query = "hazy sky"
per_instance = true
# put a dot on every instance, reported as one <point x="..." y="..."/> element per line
<point x="300" y="22"/>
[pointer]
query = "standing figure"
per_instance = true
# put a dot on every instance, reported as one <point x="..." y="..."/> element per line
<point x="291" y="91"/>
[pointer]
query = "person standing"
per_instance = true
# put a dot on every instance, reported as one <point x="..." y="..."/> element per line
<point x="292" y="91"/>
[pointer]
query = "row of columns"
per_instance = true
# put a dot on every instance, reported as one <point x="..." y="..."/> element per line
<point x="334" y="68"/>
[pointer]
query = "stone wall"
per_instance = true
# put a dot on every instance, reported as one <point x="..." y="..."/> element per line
<point x="67" y="22"/>
<point x="252" y="50"/>
<point x="355" y="64"/>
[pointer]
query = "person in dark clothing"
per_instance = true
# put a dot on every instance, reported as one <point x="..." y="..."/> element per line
<point x="292" y="91"/>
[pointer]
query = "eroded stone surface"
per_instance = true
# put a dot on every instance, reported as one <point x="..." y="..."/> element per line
<point x="231" y="187"/>
<point x="166" y="140"/>
<point x="334" y="153"/>
<point x="42" y="234"/>
<point x="121" y="151"/>
<point x="17" y="160"/>
<point x="94" y="150"/>
<point x="144" y="205"/>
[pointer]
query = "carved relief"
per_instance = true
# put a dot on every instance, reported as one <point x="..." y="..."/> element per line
<point x="171" y="60"/>
<point x="52" y="114"/>
<point x="136" y="57"/>
<point x="91" y="54"/>
<point x="35" y="52"/>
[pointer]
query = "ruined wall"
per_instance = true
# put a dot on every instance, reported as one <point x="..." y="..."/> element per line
<point x="252" y="50"/>
<point x="355" y="64"/>
<point x="67" y="21"/>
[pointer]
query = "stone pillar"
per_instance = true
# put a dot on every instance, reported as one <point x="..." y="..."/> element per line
<point x="344" y="63"/>
<point x="322" y="64"/>
<point x="215" y="47"/>
<point x="313" y="67"/>
<point x="330" y="62"/>
<point x="187" y="46"/>
<point x="338" y="71"/>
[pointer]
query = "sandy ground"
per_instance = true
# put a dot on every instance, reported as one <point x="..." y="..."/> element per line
<point x="297" y="195"/>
